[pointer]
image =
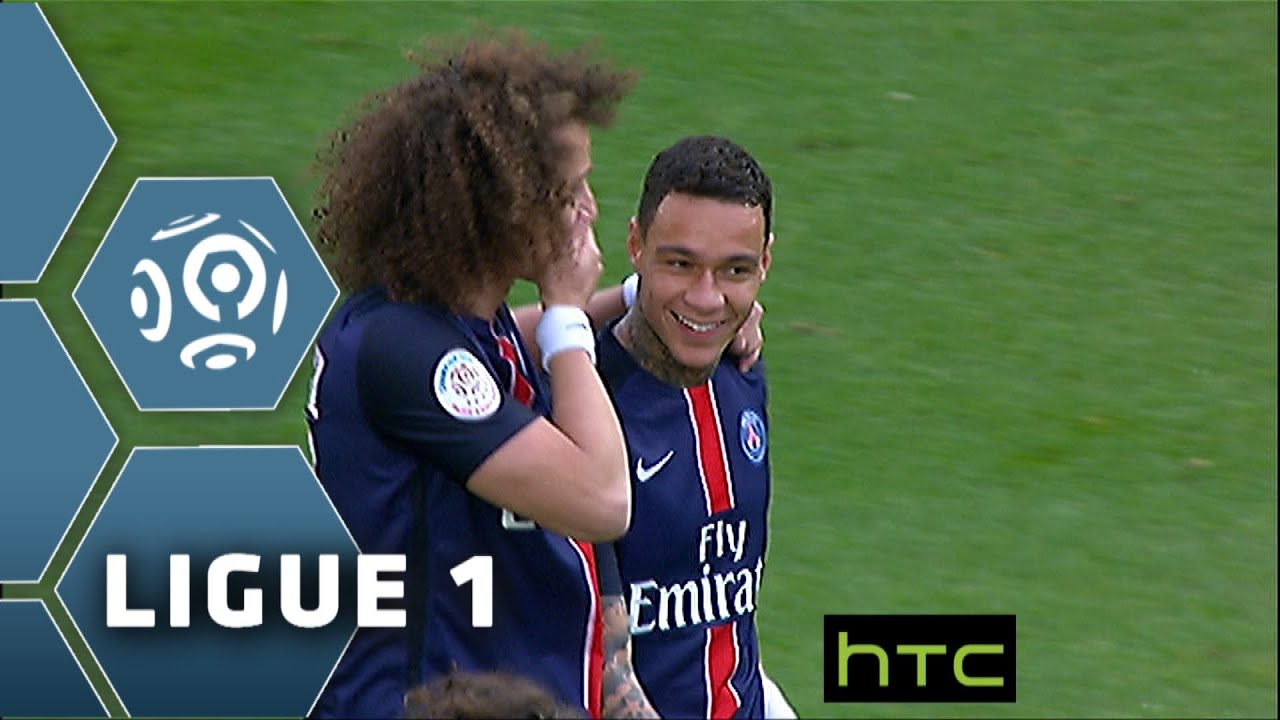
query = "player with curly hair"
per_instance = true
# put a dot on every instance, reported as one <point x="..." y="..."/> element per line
<point x="435" y="431"/>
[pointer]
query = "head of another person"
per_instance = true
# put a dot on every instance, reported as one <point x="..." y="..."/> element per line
<point x="700" y="242"/>
<point x="471" y="172"/>
<point x="474" y="695"/>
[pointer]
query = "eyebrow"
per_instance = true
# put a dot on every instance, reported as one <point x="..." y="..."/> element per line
<point x="586" y="172"/>
<point x="685" y="252"/>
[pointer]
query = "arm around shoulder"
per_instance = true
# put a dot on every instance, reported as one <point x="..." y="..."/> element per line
<point x="603" y="306"/>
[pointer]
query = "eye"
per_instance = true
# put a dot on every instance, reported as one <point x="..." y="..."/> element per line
<point x="678" y="264"/>
<point x="575" y="190"/>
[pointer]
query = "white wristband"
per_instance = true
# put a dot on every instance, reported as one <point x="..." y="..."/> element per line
<point x="629" y="288"/>
<point x="564" y="327"/>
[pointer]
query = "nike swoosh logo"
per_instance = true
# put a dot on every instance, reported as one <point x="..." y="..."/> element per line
<point x="644" y="473"/>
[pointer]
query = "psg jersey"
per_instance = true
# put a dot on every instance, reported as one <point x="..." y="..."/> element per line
<point x="406" y="402"/>
<point x="691" y="564"/>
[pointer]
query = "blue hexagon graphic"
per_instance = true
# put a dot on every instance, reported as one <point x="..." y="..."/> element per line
<point x="207" y="502"/>
<point x="53" y="142"/>
<point x="54" y="441"/>
<point x="39" y="677"/>
<point x="206" y="293"/>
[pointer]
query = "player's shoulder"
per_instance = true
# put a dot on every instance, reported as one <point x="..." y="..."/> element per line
<point x="373" y="309"/>
<point x="614" y="363"/>
<point x="414" y="359"/>
<point x="753" y="380"/>
<point x="758" y="370"/>
<point x="398" y="341"/>
<point x="400" y="327"/>
<point x="400" y="318"/>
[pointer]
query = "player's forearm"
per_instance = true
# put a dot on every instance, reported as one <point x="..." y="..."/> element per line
<point x="583" y="412"/>
<point x="623" y="696"/>
<point x="603" y="306"/>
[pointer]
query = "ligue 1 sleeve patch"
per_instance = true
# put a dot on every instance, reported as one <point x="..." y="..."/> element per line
<point x="464" y="386"/>
<point x="751" y="433"/>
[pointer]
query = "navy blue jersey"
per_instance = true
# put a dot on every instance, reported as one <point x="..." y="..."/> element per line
<point x="408" y="400"/>
<point x="692" y="561"/>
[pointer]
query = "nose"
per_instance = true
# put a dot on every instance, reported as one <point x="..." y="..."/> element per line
<point x="704" y="295"/>
<point x="587" y="204"/>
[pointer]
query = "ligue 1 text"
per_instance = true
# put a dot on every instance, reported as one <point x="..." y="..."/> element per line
<point x="371" y="590"/>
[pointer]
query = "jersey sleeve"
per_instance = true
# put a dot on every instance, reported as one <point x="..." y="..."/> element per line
<point x="423" y="387"/>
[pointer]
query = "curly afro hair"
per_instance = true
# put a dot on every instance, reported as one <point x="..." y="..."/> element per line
<point x="474" y="695"/>
<point x="451" y="179"/>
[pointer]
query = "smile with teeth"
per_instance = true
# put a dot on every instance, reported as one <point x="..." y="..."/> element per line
<point x="697" y="327"/>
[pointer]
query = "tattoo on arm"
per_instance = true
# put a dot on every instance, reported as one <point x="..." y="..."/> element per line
<point x="623" y="696"/>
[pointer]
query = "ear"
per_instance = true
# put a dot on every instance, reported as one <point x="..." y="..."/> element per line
<point x="635" y="243"/>
<point x="766" y="258"/>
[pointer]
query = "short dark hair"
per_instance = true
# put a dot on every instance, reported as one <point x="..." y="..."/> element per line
<point x="706" y="166"/>
<point x="451" y="178"/>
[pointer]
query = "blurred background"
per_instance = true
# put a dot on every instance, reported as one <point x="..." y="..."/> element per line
<point x="1021" y="319"/>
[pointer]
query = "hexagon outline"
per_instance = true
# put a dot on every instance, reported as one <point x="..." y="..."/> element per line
<point x="311" y="471"/>
<point x="71" y="560"/>
<point x="105" y="157"/>
<point x="96" y="695"/>
<point x="337" y="660"/>
<point x="311" y="343"/>
<point x="115" y="441"/>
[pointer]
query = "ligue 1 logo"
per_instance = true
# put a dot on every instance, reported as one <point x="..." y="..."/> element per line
<point x="213" y="278"/>
<point x="205" y="293"/>
<point x="464" y="388"/>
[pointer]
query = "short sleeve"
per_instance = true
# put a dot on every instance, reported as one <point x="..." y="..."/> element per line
<point x="424" y="388"/>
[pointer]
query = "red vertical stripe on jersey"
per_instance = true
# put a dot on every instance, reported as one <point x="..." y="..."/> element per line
<point x="593" y="659"/>
<point x="520" y="387"/>
<point x="710" y="446"/>
<point x="595" y="635"/>
<point x="721" y="664"/>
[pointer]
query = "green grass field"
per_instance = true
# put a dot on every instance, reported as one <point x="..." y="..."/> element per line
<point x="1021" y="320"/>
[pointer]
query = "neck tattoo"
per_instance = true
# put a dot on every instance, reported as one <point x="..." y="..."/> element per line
<point x="650" y="353"/>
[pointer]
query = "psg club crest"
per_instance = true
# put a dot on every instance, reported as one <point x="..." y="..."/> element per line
<point x="752" y="434"/>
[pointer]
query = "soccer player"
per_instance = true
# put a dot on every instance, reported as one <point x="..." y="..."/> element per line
<point x="697" y="432"/>
<point x="433" y="430"/>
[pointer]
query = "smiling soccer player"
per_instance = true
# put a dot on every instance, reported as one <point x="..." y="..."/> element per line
<point x="697" y="432"/>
